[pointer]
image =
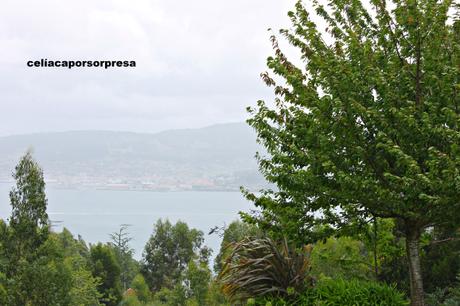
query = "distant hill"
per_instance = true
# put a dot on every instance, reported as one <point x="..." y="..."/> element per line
<point x="215" y="157"/>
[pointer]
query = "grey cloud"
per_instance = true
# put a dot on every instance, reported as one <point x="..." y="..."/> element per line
<point x="198" y="62"/>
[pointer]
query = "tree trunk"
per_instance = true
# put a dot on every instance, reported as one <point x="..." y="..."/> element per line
<point x="415" y="271"/>
<point x="376" y="265"/>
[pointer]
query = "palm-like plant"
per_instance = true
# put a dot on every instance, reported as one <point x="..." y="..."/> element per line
<point x="263" y="267"/>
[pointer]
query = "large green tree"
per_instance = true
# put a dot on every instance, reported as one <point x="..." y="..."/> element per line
<point x="198" y="277"/>
<point x="29" y="223"/>
<point x="30" y="258"/>
<point x="366" y="123"/>
<point x="104" y="267"/>
<point x="168" y="252"/>
<point x="84" y="291"/>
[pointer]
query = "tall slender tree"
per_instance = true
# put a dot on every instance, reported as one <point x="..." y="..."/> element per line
<point x="32" y="261"/>
<point x="368" y="125"/>
<point x="29" y="223"/>
<point x="124" y="254"/>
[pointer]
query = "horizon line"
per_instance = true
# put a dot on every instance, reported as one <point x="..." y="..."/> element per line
<point x="123" y="131"/>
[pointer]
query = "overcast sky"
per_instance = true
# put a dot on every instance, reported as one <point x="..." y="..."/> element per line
<point x="198" y="62"/>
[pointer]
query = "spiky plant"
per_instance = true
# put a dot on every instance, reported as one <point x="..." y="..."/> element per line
<point x="264" y="267"/>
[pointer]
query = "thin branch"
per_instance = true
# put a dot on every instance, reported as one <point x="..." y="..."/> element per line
<point x="445" y="240"/>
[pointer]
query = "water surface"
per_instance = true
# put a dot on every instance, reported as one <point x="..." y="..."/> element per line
<point x="94" y="214"/>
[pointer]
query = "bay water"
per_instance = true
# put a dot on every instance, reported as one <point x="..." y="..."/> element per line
<point x="94" y="214"/>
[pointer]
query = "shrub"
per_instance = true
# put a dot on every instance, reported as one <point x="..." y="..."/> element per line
<point x="141" y="289"/>
<point x="262" y="267"/>
<point x="342" y="292"/>
<point x="445" y="296"/>
<point x="354" y="292"/>
<point x="342" y="257"/>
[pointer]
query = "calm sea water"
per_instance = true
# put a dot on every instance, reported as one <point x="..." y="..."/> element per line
<point x="94" y="214"/>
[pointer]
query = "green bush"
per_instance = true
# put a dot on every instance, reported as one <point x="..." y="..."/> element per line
<point x="342" y="292"/>
<point x="445" y="296"/>
<point x="342" y="257"/>
<point x="263" y="267"/>
<point x="354" y="292"/>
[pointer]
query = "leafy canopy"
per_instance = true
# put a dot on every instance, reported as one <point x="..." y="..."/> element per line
<point x="168" y="252"/>
<point x="368" y="125"/>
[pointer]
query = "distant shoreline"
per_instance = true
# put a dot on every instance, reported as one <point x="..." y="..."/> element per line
<point x="58" y="187"/>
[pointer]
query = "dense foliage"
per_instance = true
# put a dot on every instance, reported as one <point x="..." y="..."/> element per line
<point x="341" y="292"/>
<point x="233" y="233"/>
<point x="31" y="261"/>
<point x="61" y="270"/>
<point x="39" y="267"/>
<point x="263" y="267"/>
<point x="105" y="267"/>
<point x="64" y="270"/>
<point x="354" y="292"/>
<point x="168" y="252"/>
<point x="341" y="257"/>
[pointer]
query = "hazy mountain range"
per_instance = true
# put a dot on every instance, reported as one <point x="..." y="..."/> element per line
<point x="212" y="158"/>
